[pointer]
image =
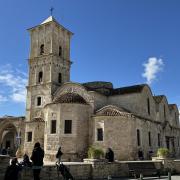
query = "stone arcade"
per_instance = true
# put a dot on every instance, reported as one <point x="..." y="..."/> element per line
<point x="75" y="116"/>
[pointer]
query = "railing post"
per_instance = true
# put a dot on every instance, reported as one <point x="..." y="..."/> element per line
<point x="169" y="175"/>
<point x="141" y="177"/>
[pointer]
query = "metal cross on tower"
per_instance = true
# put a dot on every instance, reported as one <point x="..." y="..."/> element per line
<point x="51" y="10"/>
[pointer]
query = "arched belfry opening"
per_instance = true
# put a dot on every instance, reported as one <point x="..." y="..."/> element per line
<point x="60" y="51"/>
<point x="40" y="77"/>
<point x="42" y="49"/>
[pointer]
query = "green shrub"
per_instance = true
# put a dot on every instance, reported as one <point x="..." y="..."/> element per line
<point x="95" y="153"/>
<point x="162" y="152"/>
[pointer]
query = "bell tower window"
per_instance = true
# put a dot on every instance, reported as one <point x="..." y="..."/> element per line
<point x="42" y="49"/>
<point x="40" y="77"/>
<point x="39" y="101"/>
<point x="60" y="51"/>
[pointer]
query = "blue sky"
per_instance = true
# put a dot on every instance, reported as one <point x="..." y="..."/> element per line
<point x="125" y="42"/>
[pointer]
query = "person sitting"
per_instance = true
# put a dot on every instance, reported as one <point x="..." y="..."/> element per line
<point x="26" y="162"/>
<point x="12" y="171"/>
<point x="140" y="154"/>
<point x="4" y="151"/>
<point x="150" y="154"/>
<point x="109" y="155"/>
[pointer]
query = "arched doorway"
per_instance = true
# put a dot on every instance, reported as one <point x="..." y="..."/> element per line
<point x="9" y="139"/>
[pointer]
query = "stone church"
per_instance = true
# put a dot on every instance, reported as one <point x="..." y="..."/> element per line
<point x="76" y="116"/>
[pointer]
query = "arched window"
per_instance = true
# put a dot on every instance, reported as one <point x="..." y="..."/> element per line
<point x="99" y="134"/>
<point x="149" y="135"/>
<point x="159" y="140"/>
<point x="138" y="137"/>
<point x="53" y="126"/>
<point x="59" y="78"/>
<point x="42" y="49"/>
<point x="40" y="76"/>
<point x="39" y="101"/>
<point x="60" y="51"/>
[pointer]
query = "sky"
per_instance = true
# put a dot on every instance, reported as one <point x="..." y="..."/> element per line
<point x="125" y="42"/>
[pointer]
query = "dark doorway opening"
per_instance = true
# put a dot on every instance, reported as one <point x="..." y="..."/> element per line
<point x="8" y="144"/>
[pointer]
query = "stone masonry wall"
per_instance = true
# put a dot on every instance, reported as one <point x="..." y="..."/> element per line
<point x="89" y="169"/>
<point x="117" y="135"/>
<point x="75" y="143"/>
<point x="135" y="103"/>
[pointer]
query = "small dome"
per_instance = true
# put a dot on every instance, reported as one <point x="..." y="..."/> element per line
<point x="70" y="98"/>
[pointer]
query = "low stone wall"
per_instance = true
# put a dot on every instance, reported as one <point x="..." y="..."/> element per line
<point x="172" y="165"/>
<point x="49" y="172"/>
<point x="89" y="169"/>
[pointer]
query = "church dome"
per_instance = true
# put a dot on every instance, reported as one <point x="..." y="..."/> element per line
<point x="70" y="98"/>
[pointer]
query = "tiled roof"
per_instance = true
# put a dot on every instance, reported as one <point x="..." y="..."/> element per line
<point x="129" y="89"/>
<point x="106" y="88"/>
<point x="70" y="98"/>
<point x="111" y="110"/>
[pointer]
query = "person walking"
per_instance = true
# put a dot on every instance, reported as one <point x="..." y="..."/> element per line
<point x="58" y="155"/>
<point x="37" y="160"/>
<point x="12" y="171"/>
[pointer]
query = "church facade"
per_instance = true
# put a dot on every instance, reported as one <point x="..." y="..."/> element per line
<point x="76" y="116"/>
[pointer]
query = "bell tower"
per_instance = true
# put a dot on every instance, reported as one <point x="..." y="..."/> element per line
<point x="49" y="67"/>
<point x="49" y="63"/>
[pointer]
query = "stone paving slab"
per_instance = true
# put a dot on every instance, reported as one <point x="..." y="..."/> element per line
<point x="151" y="178"/>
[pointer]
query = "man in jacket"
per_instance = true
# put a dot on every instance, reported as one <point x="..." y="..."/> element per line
<point x="37" y="160"/>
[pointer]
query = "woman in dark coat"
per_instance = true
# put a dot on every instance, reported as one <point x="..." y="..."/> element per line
<point x="37" y="160"/>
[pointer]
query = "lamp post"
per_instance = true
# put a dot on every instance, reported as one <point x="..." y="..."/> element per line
<point x="18" y="143"/>
<point x="18" y="139"/>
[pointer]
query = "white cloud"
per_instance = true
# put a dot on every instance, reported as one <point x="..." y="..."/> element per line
<point x="151" y="68"/>
<point x="3" y="98"/>
<point x="16" y="81"/>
